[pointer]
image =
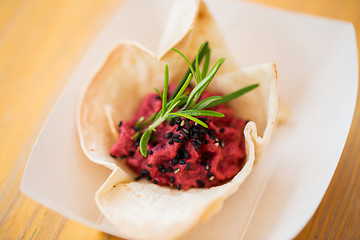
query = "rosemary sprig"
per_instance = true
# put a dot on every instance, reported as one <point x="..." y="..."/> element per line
<point x="205" y="49"/>
<point x="184" y="104"/>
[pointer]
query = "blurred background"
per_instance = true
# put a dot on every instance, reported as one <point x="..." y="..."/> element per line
<point x="41" y="43"/>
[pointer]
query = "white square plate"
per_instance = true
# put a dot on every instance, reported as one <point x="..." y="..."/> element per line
<point x="318" y="78"/>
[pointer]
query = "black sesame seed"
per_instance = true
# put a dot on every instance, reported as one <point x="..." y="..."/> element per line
<point x="178" y="120"/>
<point x="170" y="169"/>
<point x="168" y="135"/>
<point x="194" y="143"/>
<point x="174" y="161"/>
<point x="187" y="123"/>
<point x="222" y="130"/>
<point x="144" y="172"/>
<point x="171" y="141"/>
<point x="186" y="155"/>
<point x="206" y="141"/>
<point x="131" y="153"/>
<point x="179" y="187"/>
<point x="150" y="152"/>
<point x="187" y="166"/>
<point x="211" y="131"/>
<point x="203" y="163"/>
<point x="179" y="153"/>
<point x="198" y="141"/>
<point x="209" y="174"/>
<point x="200" y="183"/>
<point x="212" y="136"/>
<point x="182" y="162"/>
<point x="196" y="148"/>
<point x="172" y="122"/>
<point x="155" y="181"/>
<point x="161" y="167"/>
<point x="149" y="165"/>
<point x="172" y="179"/>
<point x="178" y="128"/>
<point x="207" y="167"/>
<point x="178" y="140"/>
<point x="176" y="136"/>
<point x="202" y="131"/>
<point x="113" y="156"/>
<point x="123" y="156"/>
<point x="203" y="119"/>
<point x="138" y="178"/>
<point x="120" y="123"/>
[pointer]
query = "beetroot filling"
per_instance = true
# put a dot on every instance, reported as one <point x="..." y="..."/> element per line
<point x="183" y="154"/>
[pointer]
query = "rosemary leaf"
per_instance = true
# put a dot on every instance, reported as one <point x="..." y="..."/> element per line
<point x="139" y="121"/>
<point x="197" y="68"/>
<point x="183" y="88"/>
<point x="182" y="99"/>
<point x="173" y="106"/>
<point x="166" y="85"/>
<point x="205" y="103"/>
<point x="179" y="114"/>
<point x="201" y="55"/>
<point x="203" y="113"/>
<point x="200" y="88"/>
<point x="233" y="95"/>
<point x="188" y="62"/>
<point x="147" y="121"/>
<point x="158" y="92"/>
<point x="136" y="135"/>
<point x="206" y="63"/>
<point x="144" y="141"/>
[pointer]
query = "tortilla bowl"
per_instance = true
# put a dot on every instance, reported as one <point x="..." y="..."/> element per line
<point x="140" y="209"/>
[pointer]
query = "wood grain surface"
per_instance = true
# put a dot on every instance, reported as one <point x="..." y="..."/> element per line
<point x="41" y="43"/>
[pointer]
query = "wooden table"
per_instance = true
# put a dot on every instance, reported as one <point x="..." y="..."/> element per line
<point x="41" y="43"/>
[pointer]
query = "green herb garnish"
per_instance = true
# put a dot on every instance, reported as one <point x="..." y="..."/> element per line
<point x="181" y="104"/>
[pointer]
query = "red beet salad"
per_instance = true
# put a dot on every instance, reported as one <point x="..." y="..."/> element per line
<point x="182" y="153"/>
